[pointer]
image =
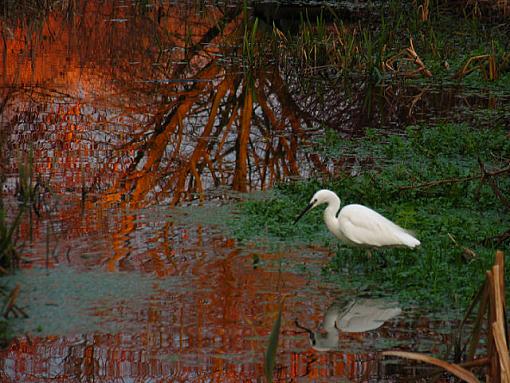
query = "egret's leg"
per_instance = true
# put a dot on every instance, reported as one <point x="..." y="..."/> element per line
<point x="379" y="257"/>
<point x="370" y="259"/>
<point x="384" y="262"/>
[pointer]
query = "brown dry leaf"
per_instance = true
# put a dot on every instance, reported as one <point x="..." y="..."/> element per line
<point x="454" y="369"/>
<point x="11" y="302"/>
<point x="468" y="254"/>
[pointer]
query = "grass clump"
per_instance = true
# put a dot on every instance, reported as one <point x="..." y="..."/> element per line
<point x="9" y="241"/>
<point x="428" y="180"/>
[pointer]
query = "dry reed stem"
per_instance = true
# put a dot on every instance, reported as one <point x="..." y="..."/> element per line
<point x="476" y="63"/>
<point x="475" y="335"/>
<point x="500" y="261"/>
<point x="415" y="100"/>
<point x="10" y="305"/>
<point x="498" y="326"/>
<point x="424" y="10"/>
<point x="444" y="181"/>
<point x="498" y="303"/>
<point x="454" y="369"/>
<point x="475" y="363"/>
<point x="465" y="70"/>
<point x="502" y="349"/>
<point x="494" y="369"/>
<point x="492" y="301"/>
<point x="11" y="301"/>
<point x="486" y="176"/>
<point x="468" y="255"/>
<point x="408" y="54"/>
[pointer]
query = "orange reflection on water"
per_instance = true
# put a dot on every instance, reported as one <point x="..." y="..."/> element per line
<point x="215" y="328"/>
<point x="210" y="325"/>
<point x="134" y="120"/>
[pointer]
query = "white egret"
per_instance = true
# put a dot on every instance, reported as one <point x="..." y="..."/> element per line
<point x="358" y="225"/>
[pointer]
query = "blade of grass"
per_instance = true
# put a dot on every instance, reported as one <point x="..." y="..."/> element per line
<point x="476" y="333"/>
<point x="272" y="348"/>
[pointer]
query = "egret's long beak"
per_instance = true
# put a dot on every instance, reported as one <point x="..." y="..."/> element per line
<point x="310" y="205"/>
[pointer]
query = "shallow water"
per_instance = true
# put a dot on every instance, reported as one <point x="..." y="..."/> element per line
<point x="144" y="130"/>
<point x="181" y="303"/>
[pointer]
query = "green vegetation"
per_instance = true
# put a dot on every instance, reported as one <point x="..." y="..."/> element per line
<point x="9" y="243"/>
<point x="449" y="43"/>
<point x="447" y="179"/>
<point x="428" y="180"/>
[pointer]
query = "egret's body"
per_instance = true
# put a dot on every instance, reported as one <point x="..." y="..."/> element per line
<point x="358" y="225"/>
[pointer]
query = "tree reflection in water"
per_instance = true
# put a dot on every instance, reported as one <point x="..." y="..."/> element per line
<point x="158" y="102"/>
<point x="217" y="127"/>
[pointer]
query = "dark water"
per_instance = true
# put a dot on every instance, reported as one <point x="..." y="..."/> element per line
<point x="143" y="124"/>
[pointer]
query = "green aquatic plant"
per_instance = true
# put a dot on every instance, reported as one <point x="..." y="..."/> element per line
<point x="429" y="181"/>
<point x="9" y="242"/>
<point x="26" y="197"/>
<point x="272" y="347"/>
<point x="250" y="45"/>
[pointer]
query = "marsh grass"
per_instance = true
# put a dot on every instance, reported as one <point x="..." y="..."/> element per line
<point x="250" y="57"/>
<point x="387" y="173"/>
<point x="445" y="40"/>
<point x="26" y="194"/>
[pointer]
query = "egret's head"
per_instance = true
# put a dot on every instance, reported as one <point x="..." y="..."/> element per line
<point x="323" y="196"/>
<point x="320" y="197"/>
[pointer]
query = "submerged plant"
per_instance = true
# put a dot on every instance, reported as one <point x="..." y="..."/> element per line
<point x="26" y="194"/>
<point x="9" y="243"/>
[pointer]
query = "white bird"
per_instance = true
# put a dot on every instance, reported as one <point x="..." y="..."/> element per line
<point x="358" y="225"/>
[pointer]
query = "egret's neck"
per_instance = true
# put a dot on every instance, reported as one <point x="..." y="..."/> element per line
<point x="330" y="213"/>
<point x="330" y="318"/>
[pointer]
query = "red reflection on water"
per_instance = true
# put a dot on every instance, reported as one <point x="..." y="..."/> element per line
<point x="215" y="331"/>
<point x="138" y="106"/>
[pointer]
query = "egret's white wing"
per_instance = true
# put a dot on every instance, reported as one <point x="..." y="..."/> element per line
<point x="366" y="227"/>
<point x="367" y="315"/>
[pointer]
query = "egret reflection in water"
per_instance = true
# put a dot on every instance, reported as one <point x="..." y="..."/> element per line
<point x="357" y="315"/>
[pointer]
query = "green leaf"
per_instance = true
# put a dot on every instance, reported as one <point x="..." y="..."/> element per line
<point x="272" y="347"/>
